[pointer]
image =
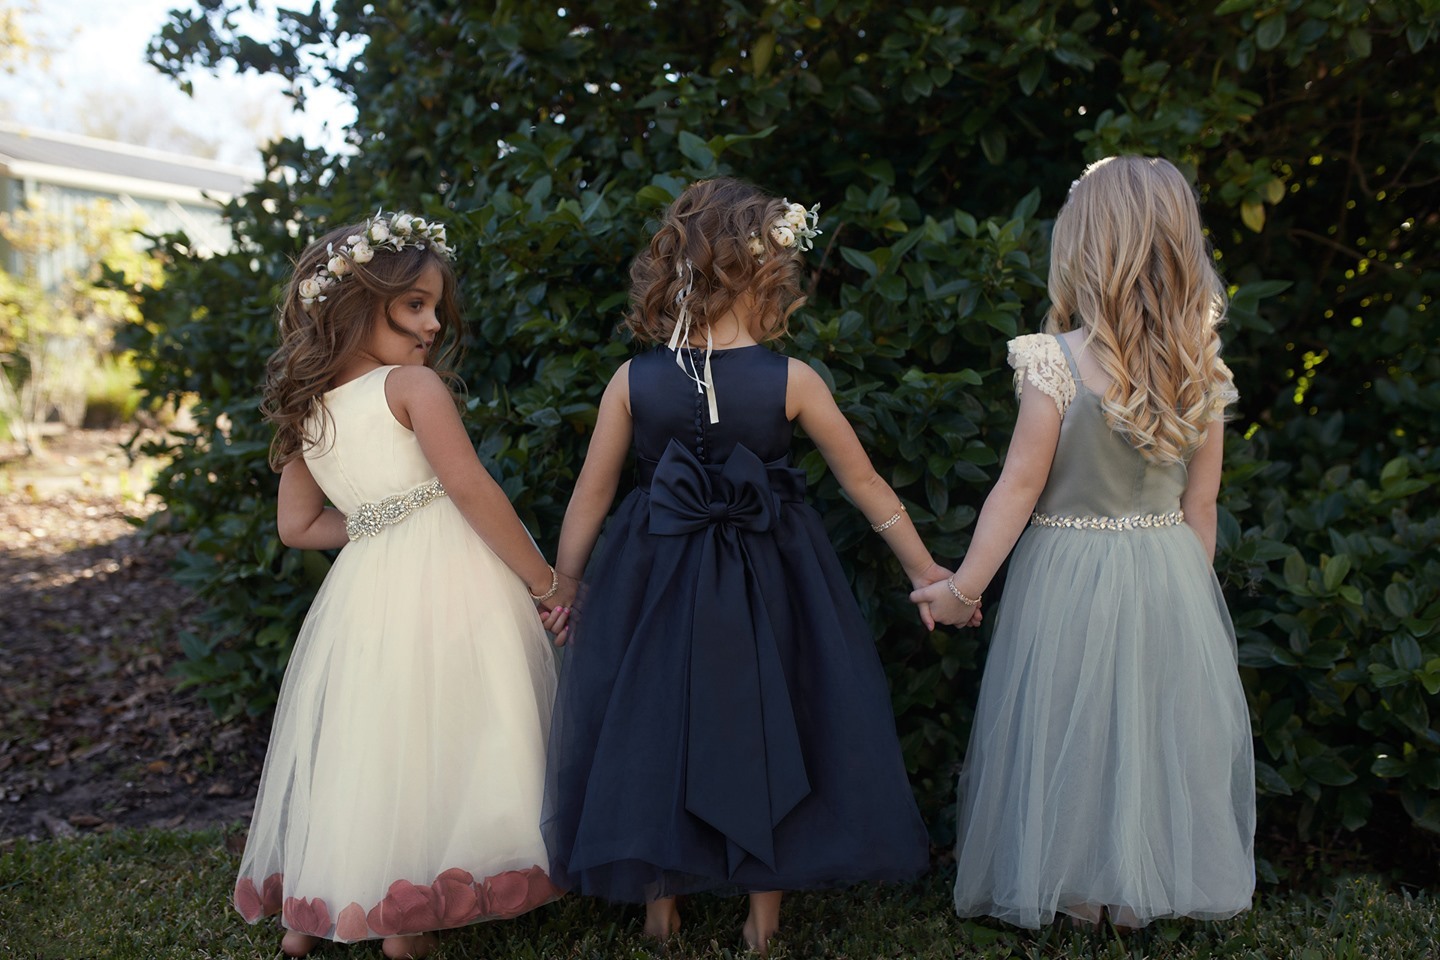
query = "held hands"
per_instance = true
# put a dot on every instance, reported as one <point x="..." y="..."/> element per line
<point x="938" y="604"/>
<point x="555" y="612"/>
<point x="931" y="574"/>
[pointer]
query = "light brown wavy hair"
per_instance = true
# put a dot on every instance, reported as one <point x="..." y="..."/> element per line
<point x="1130" y="264"/>
<point x="710" y="225"/>
<point x="316" y="341"/>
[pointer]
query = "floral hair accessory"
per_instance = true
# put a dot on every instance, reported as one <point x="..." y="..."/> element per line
<point x="797" y="227"/>
<point x="392" y="231"/>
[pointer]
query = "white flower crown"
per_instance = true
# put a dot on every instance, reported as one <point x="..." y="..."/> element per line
<point x="392" y="231"/>
<point x="797" y="227"/>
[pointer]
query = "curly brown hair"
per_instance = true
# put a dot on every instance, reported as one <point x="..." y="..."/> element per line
<point x="317" y="341"/>
<point x="711" y="225"/>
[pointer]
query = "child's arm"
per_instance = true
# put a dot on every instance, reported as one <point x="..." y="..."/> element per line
<point x="301" y="515"/>
<point x="1007" y="509"/>
<point x="596" y="485"/>
<point x="808" y="400"/>
<point x="1202" y="486"/>
<point x="420" y="400"/>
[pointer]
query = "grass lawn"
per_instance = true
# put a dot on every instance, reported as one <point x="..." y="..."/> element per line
<point x="148" y="895"/>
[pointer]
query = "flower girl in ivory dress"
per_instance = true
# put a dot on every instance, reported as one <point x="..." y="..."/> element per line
<point x="402" y="787"/>
<point x="1109" y="770"/>
<point x="723" y="721"/>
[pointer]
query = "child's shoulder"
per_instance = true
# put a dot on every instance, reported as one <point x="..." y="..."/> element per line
<point x="1039" y="360"/>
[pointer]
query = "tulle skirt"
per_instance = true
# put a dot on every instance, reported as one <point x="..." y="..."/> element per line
<point x="402" y="788"/>
<point x="1110" y="762"/>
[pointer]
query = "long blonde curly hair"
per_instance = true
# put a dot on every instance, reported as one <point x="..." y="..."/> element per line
<point x="316" y="341"/>
<point x="710" y="225"/>
<point x="1130" y="264"/>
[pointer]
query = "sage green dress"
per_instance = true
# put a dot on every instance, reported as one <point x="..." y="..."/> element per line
<point x="1110" y="761"/>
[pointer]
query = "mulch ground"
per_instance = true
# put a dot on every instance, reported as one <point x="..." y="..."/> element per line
<point x="94" y="734"/>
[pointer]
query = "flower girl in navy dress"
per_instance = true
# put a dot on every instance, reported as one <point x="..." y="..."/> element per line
<point x="1110" y="770"/>
<point x="723" y="722"/>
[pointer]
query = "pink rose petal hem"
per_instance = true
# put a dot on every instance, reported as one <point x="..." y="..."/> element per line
<point x="454" y="899"/>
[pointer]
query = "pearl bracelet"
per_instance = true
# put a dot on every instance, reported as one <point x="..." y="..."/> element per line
<point x="955" y="592"/>
<point x="882" y="527"/>
<point x="554" y="588"/>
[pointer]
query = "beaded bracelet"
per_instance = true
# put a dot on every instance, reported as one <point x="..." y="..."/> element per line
<point x="882" y="527"/>
<point x="554" y="588"/>
<point x="955" y="592"/>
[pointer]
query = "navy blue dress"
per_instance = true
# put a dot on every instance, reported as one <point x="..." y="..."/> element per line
<point x="722" y="721"/>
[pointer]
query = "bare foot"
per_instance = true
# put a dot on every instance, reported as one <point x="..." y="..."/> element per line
<point x="411" y="947"/>
<point x="763" y="922"/>
<point x="662" y="918"/>
<point x="298" y="944"/>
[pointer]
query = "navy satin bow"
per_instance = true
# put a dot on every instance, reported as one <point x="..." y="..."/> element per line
<point x="744" y="767"/>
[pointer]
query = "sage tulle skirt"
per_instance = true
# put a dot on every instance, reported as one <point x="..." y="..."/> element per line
<point x="1110" y="762"/>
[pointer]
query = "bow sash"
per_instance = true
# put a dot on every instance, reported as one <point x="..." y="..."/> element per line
<point x="744" y="768"/>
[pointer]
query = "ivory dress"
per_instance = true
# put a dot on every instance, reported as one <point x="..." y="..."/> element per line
<point x="1110" y="761"/>
<point x="401" y="791"/>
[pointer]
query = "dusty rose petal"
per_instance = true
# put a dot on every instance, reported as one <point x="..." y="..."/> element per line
<point x="541" y="889"/>
<point x="407" y="908"/>
<point x="247" y="899"/>
<point x="352" y="925"/>
<point x="509" y="893"/>
<point x="455" y="897"/>
<point x="307" y="916"/>
<point x="271" y="893"/>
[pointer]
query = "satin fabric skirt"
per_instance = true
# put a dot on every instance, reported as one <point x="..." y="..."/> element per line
<point x="621" y="793"/>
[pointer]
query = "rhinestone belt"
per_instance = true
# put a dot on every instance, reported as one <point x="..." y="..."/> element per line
<point x="1142" y="522"/>
<point x="369" y="519"/>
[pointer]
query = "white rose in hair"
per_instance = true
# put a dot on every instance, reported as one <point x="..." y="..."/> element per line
<point x="783" y="235"/>
<point x="438" y="235"/>
<point x="795" y="217"/>
<point x="310" y="288"/>
<point x="403" y="223"/>
<point x="757" y="246"/>
<point x="353" y="239"/>
<point x="419" y="225"/>
<point x="362" y="252"/>
<point x="379" y="232"/>
<point x="338" y="266"/>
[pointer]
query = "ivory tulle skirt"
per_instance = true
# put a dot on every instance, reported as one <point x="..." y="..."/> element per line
<point x="1110" y="762"/>
<point x="402" y="787"/>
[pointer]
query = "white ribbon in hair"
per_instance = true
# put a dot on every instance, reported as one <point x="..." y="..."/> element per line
<point x="705" y="384"/>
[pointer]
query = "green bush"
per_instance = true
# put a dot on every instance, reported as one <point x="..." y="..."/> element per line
<point x="939" y="142"/>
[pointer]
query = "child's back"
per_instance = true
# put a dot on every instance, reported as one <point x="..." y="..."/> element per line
<point x="403" y="779"/>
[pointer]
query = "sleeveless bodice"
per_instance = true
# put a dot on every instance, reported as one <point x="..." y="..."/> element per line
<point x="364" y="454"/>
<point x="750" y="387"/>
<point x="1097" y="473"/>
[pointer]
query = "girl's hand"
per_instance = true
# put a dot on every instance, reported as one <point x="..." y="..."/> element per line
<point x="556" y="622"/>
<point x="931" y="574"/>
<point x="944" y="607"/>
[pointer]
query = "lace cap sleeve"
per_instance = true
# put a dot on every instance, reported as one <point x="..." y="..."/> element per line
<point x="1038" y="360"/>
<point x="1225" y="393"/>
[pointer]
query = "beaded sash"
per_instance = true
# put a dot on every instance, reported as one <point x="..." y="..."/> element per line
<point x="1141" y="522"/>
<point x="369" y="519"/>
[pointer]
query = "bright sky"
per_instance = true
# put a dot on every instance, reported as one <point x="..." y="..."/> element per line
<point x="98" y="82"/>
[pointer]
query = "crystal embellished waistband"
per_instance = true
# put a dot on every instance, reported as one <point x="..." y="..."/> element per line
<point x="1142" y="522"/>
<point x="369" y="519"/>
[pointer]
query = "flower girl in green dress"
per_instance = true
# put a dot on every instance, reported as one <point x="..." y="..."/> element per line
<point x="1109" y="771"/>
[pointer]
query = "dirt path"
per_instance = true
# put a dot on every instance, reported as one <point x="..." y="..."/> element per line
<point x="93" y="733"/>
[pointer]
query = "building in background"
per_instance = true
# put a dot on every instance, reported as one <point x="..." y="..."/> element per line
<point x="65" y="171"/>
<point x="70" y="205"/>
